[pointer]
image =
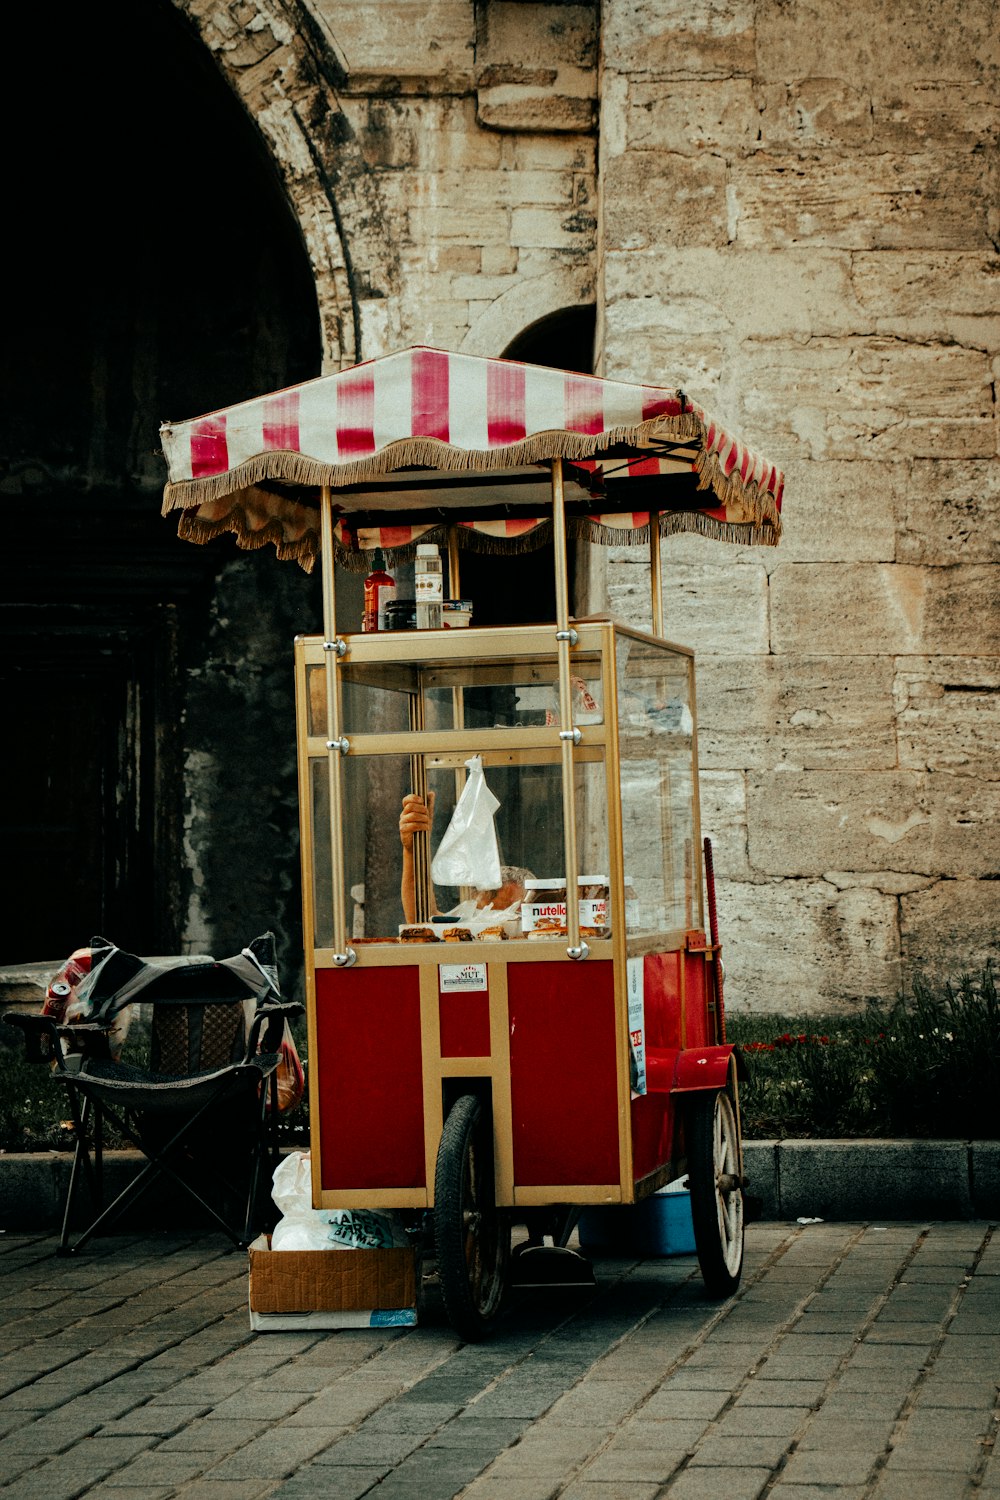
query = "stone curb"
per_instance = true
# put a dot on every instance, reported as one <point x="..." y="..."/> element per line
<point x="873" y="1179"/>
<point x="791" y="1179"/>
<point x="33" y="1188"/>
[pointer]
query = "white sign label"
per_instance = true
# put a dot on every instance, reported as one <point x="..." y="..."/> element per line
<point x="636" y="1024"/>
<point x="462" y="977"/>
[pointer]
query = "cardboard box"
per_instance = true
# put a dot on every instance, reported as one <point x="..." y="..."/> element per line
<point x="403" y="1317"/>
<point x="331" y="1288"/>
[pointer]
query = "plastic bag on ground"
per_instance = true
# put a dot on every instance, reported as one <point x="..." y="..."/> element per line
<point x="291" y="1184"/>
<point x="366" y="1229"/>
<point x="302" y="1227"/>
<point x="301" y="1233"/>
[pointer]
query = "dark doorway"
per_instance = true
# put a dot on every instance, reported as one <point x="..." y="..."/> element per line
<point x="563" y="339"/>
<point x="504" y="592"/>
<point x="139" y="289"/>
<point x="81" y="832"/>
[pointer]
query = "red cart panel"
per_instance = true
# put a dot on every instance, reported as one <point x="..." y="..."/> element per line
<point x="563" y="1076"/>
<point x="369" y="1062"/>
<point x="652" y="1113"/>
<point x="465" y="1025"/>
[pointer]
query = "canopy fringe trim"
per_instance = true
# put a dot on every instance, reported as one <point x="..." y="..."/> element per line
<point x="733" y="490"/>
<point x="304" y="550"/>
<point x="581" y="528"/>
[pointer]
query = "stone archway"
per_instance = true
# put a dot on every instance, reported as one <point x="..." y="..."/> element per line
<point x="564" y="338"/>
<point x="279" y="63"/>
<point x="537" y="303"/>
<point x="139" y="296"/>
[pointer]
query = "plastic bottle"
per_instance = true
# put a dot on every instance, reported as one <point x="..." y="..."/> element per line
<point x="380" y="590"/>
<point x="428" y="586"/>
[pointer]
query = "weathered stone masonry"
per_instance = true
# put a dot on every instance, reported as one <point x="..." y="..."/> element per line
<point x="800" y="225"/>
<point x="789" y="208"/>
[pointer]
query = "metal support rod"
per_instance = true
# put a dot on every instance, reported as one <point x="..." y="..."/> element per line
<point x="454" y="579"/>
<point x="334" y="730"/>
<point x="457" y="693"/>
<point x="713" y="932"/>
<point x="655" y="572"/>
<point x="566" y="736"/>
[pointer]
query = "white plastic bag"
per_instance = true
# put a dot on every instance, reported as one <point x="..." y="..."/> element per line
<point x="301" y="1234"/>
<point x="365" y="1229"/>
<point x="468" y="854"/>
<point x="303" y="1227"/>
<point x="291" y="1185"/>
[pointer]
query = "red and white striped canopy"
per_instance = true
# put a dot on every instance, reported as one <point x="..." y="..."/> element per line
<point x="416" y="441"/>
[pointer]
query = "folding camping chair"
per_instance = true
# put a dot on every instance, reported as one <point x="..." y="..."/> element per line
<point x="208" y="1091"/>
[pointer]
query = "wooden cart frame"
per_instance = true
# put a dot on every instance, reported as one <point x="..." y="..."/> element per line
<point x="393" y="1054"/>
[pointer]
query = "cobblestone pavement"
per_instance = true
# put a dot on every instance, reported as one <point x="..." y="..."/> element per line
<point x="856" y="1361"/>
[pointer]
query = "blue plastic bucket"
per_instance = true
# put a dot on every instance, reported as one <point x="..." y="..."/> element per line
<point x="659" y="1225"/>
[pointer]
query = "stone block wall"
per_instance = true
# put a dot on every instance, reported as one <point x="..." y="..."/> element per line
<point x="789" y="208"/>
<point x="799" y="225"/>
<point x="477" y="126"/>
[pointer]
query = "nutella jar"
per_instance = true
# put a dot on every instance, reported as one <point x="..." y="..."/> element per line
<point x="593" y="906"/>
<point x="543" y="910"/>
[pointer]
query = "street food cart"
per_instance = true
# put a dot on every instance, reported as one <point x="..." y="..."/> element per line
<point x="494" y="1065"/>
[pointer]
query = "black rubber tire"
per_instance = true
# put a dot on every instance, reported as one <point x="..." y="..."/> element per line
<point x="714" y="1177"/>
<point x="472" y="1239"/>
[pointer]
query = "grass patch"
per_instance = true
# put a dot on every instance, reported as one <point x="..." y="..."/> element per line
<point x="31" y="1107"/>
<point x="927" y="1066"/>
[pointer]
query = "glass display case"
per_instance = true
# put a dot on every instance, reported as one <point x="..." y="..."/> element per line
<point x="416" y="706"/>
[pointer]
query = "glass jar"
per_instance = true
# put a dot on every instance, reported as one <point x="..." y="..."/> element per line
<point x="428" y="585"/>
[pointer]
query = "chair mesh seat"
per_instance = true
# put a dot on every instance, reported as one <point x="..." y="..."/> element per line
<point x="137" y="1089"/>
<point x="128" y="1075"/>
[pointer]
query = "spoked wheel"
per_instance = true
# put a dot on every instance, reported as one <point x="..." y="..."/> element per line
<point x="716" y="1191"/>
<point x="472" y="1238"/>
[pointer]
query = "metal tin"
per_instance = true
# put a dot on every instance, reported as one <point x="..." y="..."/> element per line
<point x="401" y="614"/>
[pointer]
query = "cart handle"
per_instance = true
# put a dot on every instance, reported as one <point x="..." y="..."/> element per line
<point x="713" y="928"/>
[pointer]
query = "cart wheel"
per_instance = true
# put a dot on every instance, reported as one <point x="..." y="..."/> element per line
<point x="716" y="1191"/>
<point x="472" y="1238"/>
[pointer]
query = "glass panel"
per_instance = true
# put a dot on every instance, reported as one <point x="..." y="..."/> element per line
<point x="374" y="699"/>
<point x="656" y="748"/>
<point x="319" y="803"/>
<point x="509" y="693"/>
<point x="444" y="695"/>
<point x="378" y="875"/>
<point x="316" y="691"/>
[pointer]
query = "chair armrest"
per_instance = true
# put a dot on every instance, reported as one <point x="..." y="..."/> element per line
<point x="47" y="1040"/>
<point x="92" y="1037"/>
<point x="41" y="1036"/>
<point x="269" y="1023"/>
